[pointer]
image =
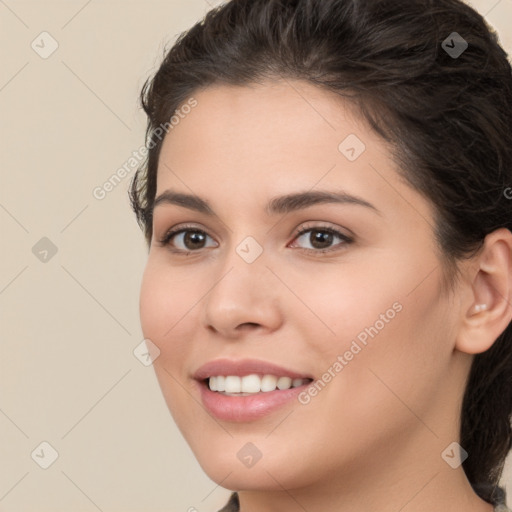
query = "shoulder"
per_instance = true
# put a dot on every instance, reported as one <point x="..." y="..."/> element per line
<point x="233" y="505"/>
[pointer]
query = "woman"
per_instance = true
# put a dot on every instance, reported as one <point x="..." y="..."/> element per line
<point x="327" y="205"/>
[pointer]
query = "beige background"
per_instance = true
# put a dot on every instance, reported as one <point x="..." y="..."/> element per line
<point x="69" y="325"/>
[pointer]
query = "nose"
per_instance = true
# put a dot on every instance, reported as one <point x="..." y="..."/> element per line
<point x="243" y="297"/>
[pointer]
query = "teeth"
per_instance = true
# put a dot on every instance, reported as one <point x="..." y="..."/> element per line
<point x="252" y="384"/>
<point x="233" y="384"/>
<point x="284" y="383"/>
<point x="268" y="383"/>
<point x="249" y="384"/>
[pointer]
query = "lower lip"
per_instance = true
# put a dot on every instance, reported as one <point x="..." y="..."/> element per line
<point x="246" y="408"/>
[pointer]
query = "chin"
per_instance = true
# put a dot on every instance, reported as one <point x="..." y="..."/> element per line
<point x="225" y="465"/>
<point x="249" y="479"/>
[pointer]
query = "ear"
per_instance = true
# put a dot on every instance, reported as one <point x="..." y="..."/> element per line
<point x="487" y="300"/>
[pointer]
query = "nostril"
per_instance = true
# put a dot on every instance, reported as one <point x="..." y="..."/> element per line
<point x="249" y="324"/>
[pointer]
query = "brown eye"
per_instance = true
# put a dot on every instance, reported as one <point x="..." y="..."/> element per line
<point x="185" y="239"/>
<point x="321" y="238"/>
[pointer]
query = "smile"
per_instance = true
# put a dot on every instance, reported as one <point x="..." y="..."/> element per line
<point x="234" y="385"/>
<point x="248" y="406"/>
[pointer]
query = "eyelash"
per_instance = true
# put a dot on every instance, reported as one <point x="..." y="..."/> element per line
<point x="165" y="240"/>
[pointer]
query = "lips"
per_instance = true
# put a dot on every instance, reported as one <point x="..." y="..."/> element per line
<point x="246" y="408"/>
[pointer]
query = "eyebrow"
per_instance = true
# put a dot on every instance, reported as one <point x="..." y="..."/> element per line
<point x="276" y="206"/>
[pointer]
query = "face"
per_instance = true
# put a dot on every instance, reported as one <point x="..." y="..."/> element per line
<point x="347" y="293"/>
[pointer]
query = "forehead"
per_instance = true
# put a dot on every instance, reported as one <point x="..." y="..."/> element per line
<point x="296" y="107"/>
<point x="265" y="130"/>
<point x="241" y="145"/>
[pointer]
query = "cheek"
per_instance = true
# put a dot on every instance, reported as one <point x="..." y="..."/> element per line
<point x="165" y="311"/>
<point x="338" y="306"/>
<point x="402" y="362"/>
<point x="165" y="314"/>
<point x="390" y="332"/>
<point x="162" y="300"/>
<point x="152" y="304"/>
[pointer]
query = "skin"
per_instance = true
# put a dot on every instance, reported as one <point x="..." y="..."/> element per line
<point x="372" y="439"/>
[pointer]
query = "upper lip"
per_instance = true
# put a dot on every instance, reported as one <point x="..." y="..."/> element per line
<point x="243" y="367"/>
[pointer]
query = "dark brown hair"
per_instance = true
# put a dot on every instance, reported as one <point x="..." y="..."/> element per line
<point x="447" y="118"/>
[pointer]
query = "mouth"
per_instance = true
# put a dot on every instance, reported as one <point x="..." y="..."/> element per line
<point x="229" y="404"/>
<point x="252" y="384"/>
<point x="245" y="390"/>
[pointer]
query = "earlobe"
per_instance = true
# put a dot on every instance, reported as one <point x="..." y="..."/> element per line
<point x="490" y="295"/>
